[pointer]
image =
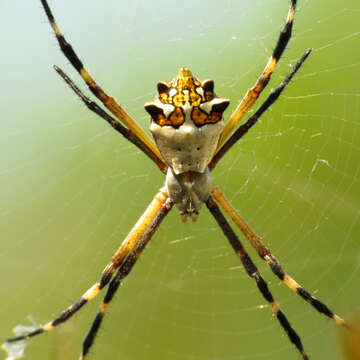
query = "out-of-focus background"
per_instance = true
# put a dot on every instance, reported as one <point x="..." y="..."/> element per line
<point x="71" y="187"/>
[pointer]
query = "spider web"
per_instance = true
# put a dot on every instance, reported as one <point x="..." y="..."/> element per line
<point x="72" y="188"/>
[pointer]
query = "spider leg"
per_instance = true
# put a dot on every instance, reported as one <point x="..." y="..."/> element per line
<point x="266" y="255"/>
<point x="129" y="135"/>
<point x="122" y="272"/>
<point x="252" y="94"/>
<point x="243" y="129"/>
<point x="143" y="226"/>
<point x="109" y="102"/>
<point x="254" y="273"/>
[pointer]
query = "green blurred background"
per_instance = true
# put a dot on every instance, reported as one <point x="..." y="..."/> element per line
<point x="72" y="187"/>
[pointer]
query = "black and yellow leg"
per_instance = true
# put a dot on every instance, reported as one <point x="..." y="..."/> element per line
<point x="129" y="135"/>
<point x="144" y="226"/>
<point x="252" y="94"/>
<point x="254" y="273"/>
<point x="243" y="129"/>
<point x="108" y="101"/>
<point x="159" y="202"/>
<point x="71" y="310"/>
<point x="266" y="255"/>
<point x="123" y="272"/>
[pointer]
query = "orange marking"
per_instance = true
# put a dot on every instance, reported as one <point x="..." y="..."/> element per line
<point x="176" y="118"/>
<point x="199" y="117"/>
<point x="215" y="117"/>
<point x="161" y="120"/>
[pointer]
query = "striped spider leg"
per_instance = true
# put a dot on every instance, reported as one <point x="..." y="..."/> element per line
<point x="254" y="240"/>
<point x="254" y="273"/>
<point x="109" y="102"/>
<point x="127" y="133"/>
<point x="252" y="95"/>
<point x="123" y="261"/>
<point x="267" y="256"/>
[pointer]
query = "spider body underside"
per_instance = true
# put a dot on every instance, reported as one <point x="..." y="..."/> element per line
<point x="190" y="138"/>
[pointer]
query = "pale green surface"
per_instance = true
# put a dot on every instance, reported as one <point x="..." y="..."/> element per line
<point x="72" y="187"/>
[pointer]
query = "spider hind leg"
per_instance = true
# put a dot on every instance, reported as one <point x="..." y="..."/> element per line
<point x="141" y="232"/>
<point x="123" y="271"/>
<point x="273" y="263"/>
<point x="254" y="273"/>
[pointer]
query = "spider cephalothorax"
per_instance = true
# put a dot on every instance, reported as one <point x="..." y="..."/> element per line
<point x="186" y="123"/>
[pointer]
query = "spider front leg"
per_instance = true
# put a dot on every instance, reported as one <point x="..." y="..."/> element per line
<point x="251" y="96"/>
<point x="141" y="233"/>
<point x="254" y="273"/>
<point x="108" y="101"/>
<point x="266" y="255"/>
<point x="128" y="134"/>
<point x="253" y="119"/>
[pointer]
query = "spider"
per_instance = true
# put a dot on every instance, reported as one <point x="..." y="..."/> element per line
<point x="190" y="138"/>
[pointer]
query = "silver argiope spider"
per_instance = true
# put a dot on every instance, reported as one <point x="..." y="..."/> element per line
<point x="190" y="138"/>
